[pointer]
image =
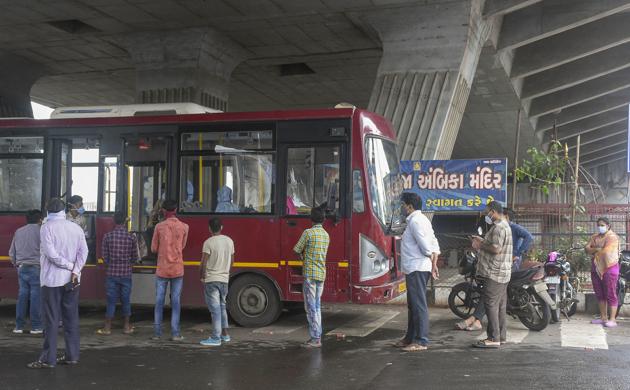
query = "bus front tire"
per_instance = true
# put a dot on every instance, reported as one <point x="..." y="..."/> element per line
<point x="253" y="301"/>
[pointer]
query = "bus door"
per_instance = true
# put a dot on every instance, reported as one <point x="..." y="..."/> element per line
<point x="145" y="181"/>
<point x="61" y="172"/>
<point x="315" y="178"/>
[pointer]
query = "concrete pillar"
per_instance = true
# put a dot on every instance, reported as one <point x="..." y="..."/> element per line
<point x="192" y="65"/>
<point x="17" y="76"/>
<point x="430" y="55"/>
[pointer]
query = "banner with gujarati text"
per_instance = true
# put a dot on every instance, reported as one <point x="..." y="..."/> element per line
<point x="456" y="185"/>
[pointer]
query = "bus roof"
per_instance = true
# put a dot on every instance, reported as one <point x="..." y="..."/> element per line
<point x="131" y="110"/>
<point x="185" y="118"/>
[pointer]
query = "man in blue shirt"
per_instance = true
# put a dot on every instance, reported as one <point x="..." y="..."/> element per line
<point x="521" y="239"/>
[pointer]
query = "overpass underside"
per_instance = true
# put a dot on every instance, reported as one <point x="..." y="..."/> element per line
<point x="451" y="75"/>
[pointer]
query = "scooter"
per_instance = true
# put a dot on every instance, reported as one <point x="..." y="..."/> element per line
<point x="528" y="299"/>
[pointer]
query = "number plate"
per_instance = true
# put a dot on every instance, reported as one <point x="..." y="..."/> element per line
<point x="552" y="279"/>
<point x="402" y="287"/>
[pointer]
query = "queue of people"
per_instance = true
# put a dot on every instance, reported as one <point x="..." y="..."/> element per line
<point x="50" y="257"/>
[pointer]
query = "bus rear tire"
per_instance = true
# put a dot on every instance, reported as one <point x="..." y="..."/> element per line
<point x="253" y="301"/>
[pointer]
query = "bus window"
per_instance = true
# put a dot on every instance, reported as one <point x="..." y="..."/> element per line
<point x="313" y="179"/>
<point x="384" y="182"/>
<point x="227" y="183"/>
<point x="21" y="169"/>
<point x="110" y="171"/>
<point x="85" y="176"/>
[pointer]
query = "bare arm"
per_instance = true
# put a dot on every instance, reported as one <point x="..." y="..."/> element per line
<point x="202" y="266"/>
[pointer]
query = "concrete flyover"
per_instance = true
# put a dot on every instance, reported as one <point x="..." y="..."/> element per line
<point x="451" y="75"/>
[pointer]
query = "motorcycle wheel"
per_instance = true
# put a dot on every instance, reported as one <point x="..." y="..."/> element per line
<point x="540" y="309"/>
<point x="462" y="300"/>
<point x="572" y="309"/>
<point x="555" y="313"/>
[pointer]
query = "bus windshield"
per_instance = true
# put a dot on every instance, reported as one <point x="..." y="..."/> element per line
<point x="384" y="180"/>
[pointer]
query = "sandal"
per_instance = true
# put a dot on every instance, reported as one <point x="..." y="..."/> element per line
<point x="462" y="325"/>
<point x="488" y="344"/>
<point x="104" y="332"/>
<point x="37" y="364"/>
<point x="129" y="331"/>
<point x="402" y="343"/>
<point x="474" y="327"/>
<point x="413" y="347"/>
<point x="61" y="359"/>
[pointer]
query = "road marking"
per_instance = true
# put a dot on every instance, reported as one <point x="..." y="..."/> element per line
<point x="582" y="334"/>
<point x="365" y="324"/>
<point x="278" y="329"/>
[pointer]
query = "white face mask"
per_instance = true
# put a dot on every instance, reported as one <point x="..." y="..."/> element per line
<point x="488" y="220"/>
<point x="602" y="229"/>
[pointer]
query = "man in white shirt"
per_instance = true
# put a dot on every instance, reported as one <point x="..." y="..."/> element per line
<point x="419" y="253"/>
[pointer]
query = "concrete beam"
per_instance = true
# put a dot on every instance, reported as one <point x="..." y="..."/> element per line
<point x="581" y="93"/>
<point x="552" y="17"/>
<point x="600" y="134"/>
<point x="606" y="160"/>
<point x="614" y="150"/>
<point x="585" y="110"/>
<point x="608" y="142"/>
<point x="571" y="45"/>
<point x="576" y="72"/>
<point x="502" y="7"/>
<point x="593" y="123"/>
<point x="17" y="76"/>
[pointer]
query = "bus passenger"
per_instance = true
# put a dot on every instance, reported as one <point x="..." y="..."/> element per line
<point x="76" y="211"/>
<point x="120" y="251"/>
<point x="225" y="204"/>
<point x="216" y="261"/>
<point x="64" y="252"/>
<point x="312" y="248"/>
<point x="24" y="254"/>
<point x="169" y="240"/>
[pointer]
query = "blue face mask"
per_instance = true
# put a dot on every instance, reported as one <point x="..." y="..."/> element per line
<point x="80" y="210"/>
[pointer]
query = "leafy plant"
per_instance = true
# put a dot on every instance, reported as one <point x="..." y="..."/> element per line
<point x="543" y="170"/>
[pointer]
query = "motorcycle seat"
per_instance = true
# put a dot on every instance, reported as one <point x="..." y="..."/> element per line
<point x="528" y="273"/>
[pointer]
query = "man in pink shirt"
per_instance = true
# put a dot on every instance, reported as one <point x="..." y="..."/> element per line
<point x="169" y="240"/>
<point x="63" y="255"/>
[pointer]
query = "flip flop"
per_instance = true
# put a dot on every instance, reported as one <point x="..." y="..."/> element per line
<point x="484" y="345"/>
<point x="461" y="325"/>
<point x="129" y="331"/>
<point x="474" y="328"/>
<point x="104" y="332"/>
<point x="38" y="364"/>
<point x="415" y="348"/>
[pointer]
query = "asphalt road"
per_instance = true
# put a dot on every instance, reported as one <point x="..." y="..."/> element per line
<point x="569" y="355"/>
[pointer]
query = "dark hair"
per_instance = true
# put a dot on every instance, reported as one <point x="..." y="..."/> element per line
<point x="495" y="206"/>
<point x="509" y="212"/>
<point x="317" y="215"/>
<point x="169" y="205"/>
<point x="74" y="199"/>
<point x="55" y="205"/>
<point x="215" y="225"/>
<point x="604" y="220"/>
<point x="410" y="198"/>
<point x="33" y="216"/>
<point x="119" y="217"/>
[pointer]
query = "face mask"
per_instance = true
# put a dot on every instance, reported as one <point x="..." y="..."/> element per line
<point x="488" y="220"/>
<point x="602" y="229"/>
<point x="81" y="210"/>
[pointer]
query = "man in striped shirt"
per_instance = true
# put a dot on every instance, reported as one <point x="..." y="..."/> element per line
<point x="312" y="248"/>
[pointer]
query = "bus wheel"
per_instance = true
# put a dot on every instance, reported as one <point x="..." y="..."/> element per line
<point x="253" y="301"/>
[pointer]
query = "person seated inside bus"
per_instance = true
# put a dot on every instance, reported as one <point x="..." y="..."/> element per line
<point x="76" y="213"/>
<point x="155" y="217"/>
<point x="225" y="204"/>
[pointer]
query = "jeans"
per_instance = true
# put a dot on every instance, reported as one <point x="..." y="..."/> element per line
<point x="215" y="294"/>
<point x="160" y="294"/>
<point x="59" y="304"/>
<point x="417" y="308"/>
<point x="118" y="288"/>
<point x="516" y="265"/>
<point x="312" y="290"/>
<point x="28" y="278"/>
<point x="495" y="300"/>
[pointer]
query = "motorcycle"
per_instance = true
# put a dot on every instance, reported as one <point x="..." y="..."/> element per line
<point x="528" y="299"/>
<point x="561" y="285"/>
<point x="624" y="276"/>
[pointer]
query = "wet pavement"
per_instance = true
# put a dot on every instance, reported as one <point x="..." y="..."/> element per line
<point x="357" y="354"/>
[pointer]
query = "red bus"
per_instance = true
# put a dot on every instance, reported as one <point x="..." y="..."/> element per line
<point x="260" y="172"/>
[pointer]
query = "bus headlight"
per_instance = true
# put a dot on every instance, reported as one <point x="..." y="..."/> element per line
<point x="374" y="263"/>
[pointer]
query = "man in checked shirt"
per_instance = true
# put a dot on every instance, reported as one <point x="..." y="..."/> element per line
<point x="120" y="251"/>
<point x="312" y="248"/>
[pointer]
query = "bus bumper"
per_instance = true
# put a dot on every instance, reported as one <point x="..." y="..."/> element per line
<point x="379" y="294"/>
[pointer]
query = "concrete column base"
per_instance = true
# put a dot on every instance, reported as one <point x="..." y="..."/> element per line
<point x="17" y="76"/>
